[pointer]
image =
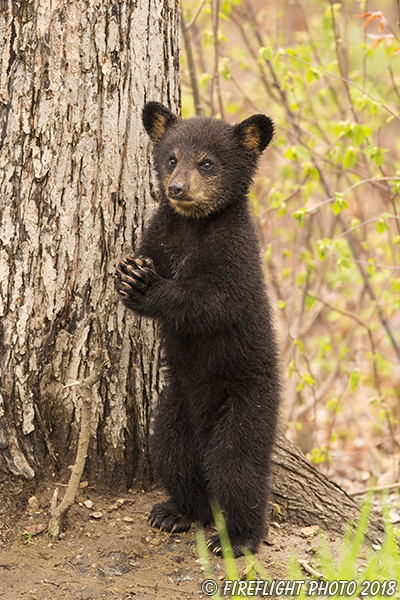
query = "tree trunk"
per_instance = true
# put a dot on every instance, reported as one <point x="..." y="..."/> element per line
<point x="75" y="191"/>
<point x="306" y="497"/>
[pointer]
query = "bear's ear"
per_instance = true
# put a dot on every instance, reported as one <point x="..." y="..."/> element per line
<point x="157" y="119"/>
<point x="255" y="133"/>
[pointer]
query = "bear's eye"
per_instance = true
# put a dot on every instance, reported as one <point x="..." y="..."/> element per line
<point x="207" y="165"/>
<point x="172" y="161"/>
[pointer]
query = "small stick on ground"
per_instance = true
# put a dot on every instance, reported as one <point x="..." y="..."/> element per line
<point x="310" y="570"/>
<point x="59" y="512"/>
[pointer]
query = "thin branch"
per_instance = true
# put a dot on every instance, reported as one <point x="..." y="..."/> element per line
<point x="398" y="14"/>
<point x="198" y="109"/>
<point x="396" y="90"/>
<point x="194" y="18"/>
<point x="310" y="570"/>
<point x="215" y="83"/>
<point x="366" y="222"/>
<point x="59" y="512"/>
<point x="349" y="189"/>
<point x="340" y="61"/>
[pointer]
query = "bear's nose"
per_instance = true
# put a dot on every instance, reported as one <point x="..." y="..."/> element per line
<point x="176" y="189"/>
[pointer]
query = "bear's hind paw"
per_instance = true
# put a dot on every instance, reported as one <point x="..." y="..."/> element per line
<point x="214" y="545"/>
<point x="166" y="517"/>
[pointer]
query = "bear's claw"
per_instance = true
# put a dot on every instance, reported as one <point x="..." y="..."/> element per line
<point x="140" y="261"/>
<point x="166" y="517"/>
<point x="214" y="545"/>
<point x="134" y="275"/>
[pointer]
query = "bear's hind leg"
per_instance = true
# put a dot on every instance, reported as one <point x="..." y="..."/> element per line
<point x="237" y="466"/>
<point x="176" y="460"/>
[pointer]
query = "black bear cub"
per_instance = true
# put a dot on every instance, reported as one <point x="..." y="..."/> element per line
<point x="198" y="272"/>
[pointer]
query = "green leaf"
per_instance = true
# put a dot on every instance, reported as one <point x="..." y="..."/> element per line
<point x="268" y="253"/>
<point x="306" y="169"/>
<point x="367" y="130"/>
<point x="358" y="133"/>
<point x="300" y="279"/>
<point x="338" y="204"/>
<point x="290" y="153"/>
<point x="354" y="380"/>
<point x="291" y="369"/>
<point x="309" y="76"/>
<point x="343" y="262"/>
<point x="370" y="267"/>
<point x="303" y="152"/>
<point x="299" y="345"/>
<point x="275" y="198"/>
<point x="299" y="216"/>
<point x="381" y="226"/>
<point x="282" y="210"/>
<point x="309" y="380"/>
<point x="309" y="302"/>
<point x="372" y="106"/>
<point x="277" y="55"/>
<point x="317" y="455"/>
<point x="264" y="54"/>
<point x="321" y="248"/>
<point x="396" y="186"/>
<point x="350" y="158"/>
<point x="224" y="70"/>
<point x="253" y="202"/>
<point x="379" y="157"/>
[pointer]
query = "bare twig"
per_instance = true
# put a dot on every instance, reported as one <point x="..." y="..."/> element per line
<point x="191" y="65"/>
<point x="215" y="83"/>
<point x="351" y="188"/>
<point x="398" y="14"/>
<point x="310" y="570"/>
<point x="196" y="14"/>
<point x="59" y="512"/>
<point x="340" y="60"/>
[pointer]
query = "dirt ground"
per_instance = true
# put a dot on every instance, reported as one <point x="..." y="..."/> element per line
<point x="108" y="550"/>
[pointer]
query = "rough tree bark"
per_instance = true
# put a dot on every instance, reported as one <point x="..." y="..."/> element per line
<point x="75" y="190"/>
<point x="306" y="497"/>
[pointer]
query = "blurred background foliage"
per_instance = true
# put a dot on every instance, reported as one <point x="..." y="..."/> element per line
<point x="326" y="200"/>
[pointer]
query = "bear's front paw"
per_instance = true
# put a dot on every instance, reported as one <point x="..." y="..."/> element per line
<point x="134" y="276"/>
<point x="167" y="517"/>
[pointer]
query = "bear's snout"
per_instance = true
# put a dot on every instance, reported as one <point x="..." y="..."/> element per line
<point x="176" y="189"/>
